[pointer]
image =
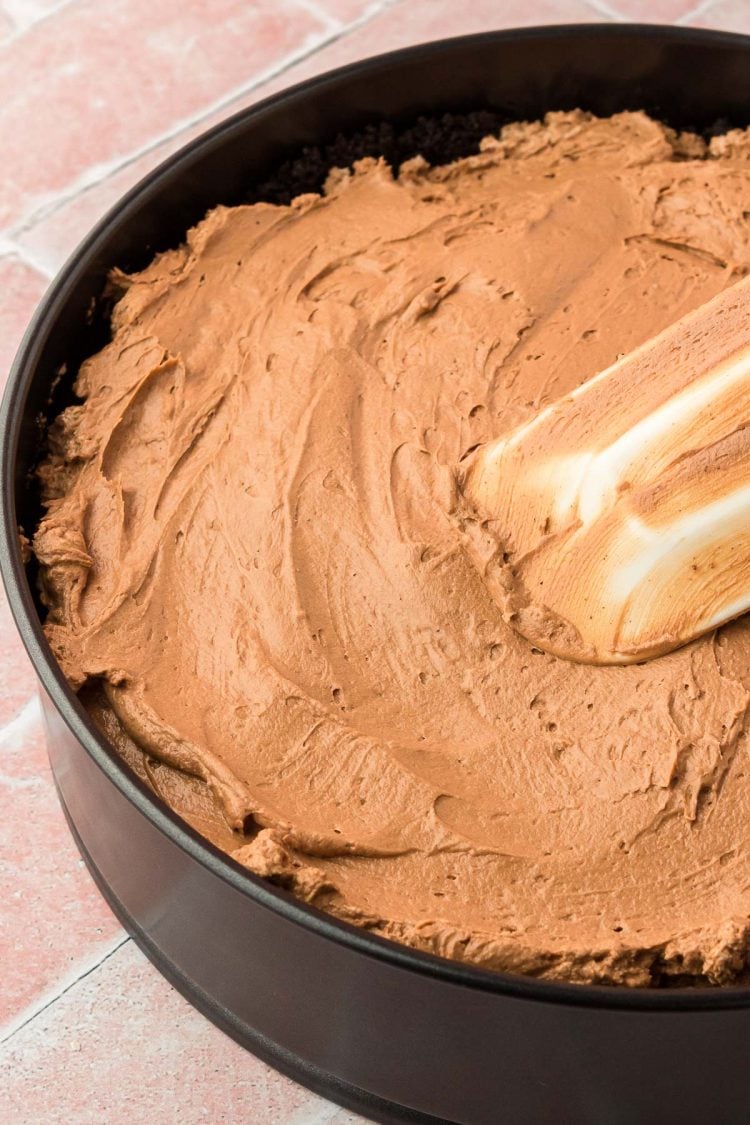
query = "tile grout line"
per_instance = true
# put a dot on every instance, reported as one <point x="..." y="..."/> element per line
<point x="314" y="9"/>
<point x="33" y="1011"/>
<point x="604" y="9"/>
<point x="320" y="1115"/>
<point x="101" y="173"/>
<point x="15" y="251"/>
<point x="25" y="718"/>
<point x="98" y="173"/>
<point x="22" y="722"/>
<point x="699" y="10"/>
<point x="611" y="12"/>
<point x="21" y="25"/>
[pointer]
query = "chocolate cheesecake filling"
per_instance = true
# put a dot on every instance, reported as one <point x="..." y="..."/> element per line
<point x="260" y="579"/>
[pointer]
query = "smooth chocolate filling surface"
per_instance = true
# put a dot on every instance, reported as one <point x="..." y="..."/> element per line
<point x="260" y="579"/>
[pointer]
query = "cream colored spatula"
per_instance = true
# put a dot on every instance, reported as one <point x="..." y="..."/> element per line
<point x="623" y="510"/>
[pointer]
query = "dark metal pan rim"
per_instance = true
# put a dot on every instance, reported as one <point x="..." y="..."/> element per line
<point x="75" y="716"/>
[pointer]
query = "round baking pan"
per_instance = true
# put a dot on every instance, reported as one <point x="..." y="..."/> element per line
<point x="395" y="1034"/>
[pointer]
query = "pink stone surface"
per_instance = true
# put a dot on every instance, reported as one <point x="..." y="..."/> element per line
<point x="25" y="12"/>
<point x="98" y="1042"/>
<point x="21" y="286"/>
<point x="730" y="15"/>
<point x="93" y="94"/>
<point x="115" y="76"/>
<point x="650" y="11"/>
<point x="17" y="681"/>
<point x="54" y="925"/>
<point x="347" y="11"/>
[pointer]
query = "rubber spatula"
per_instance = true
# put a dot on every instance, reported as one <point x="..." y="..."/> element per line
<point x="622" y="511"/>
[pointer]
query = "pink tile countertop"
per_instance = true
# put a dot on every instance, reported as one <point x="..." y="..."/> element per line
<point x="94" y="93"/>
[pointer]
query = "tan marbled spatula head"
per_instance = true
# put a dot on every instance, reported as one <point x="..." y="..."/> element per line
<point x="622" y="511"/>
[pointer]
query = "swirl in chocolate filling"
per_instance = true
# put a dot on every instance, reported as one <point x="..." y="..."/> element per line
<point x="258" y="575"/>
